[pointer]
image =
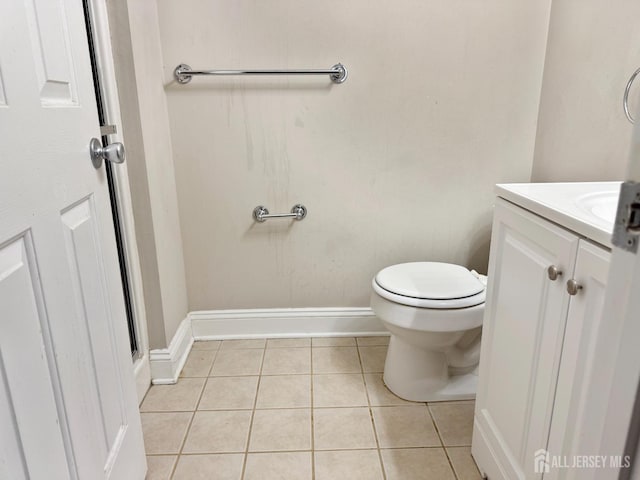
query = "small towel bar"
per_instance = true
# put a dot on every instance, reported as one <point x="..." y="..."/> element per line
<point x="261" y="213"/>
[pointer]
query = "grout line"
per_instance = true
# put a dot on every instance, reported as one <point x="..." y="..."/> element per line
<point x="258" y="452"/>
<point x="336" y="346"/>
<point x="455" y="474"/>
<point x="254" y="374"/>
<point x="206" y="375"/>
<point x="229" y="341"/>
<point x="409" y="448"/>
<point x="371" y="344"/>
<point x="375" y="430"/>
<point x="169" y="411"/>
<point x="229" y="349"/>
<point x="253" y="412"/>
<point x="203" y="453"/>
<point x="288" y="346"/>
<point x="446" y="453"/>
<point x="194" y="349"/>
<point x="215" y="355"/>
<point x="330" y="407"/>
<point x="186" y="435"/>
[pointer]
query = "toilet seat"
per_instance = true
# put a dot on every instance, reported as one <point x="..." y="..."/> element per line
<point x="433" y="285"/>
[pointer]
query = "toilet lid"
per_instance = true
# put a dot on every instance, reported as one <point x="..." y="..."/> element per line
<point x="442" y="282"/>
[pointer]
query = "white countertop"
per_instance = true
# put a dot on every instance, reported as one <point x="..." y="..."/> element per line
<point x="583" y="207"/>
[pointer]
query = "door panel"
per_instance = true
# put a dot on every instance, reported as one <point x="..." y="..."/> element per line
<point x="49" y="189"/>
<point x="517" y="337"/>
<point x="87" y="273"/>
<point x="573" y="432"/>
<point x="50" y="50"/>
<point x="34" y="448"/>
<point x="522" y="340"/>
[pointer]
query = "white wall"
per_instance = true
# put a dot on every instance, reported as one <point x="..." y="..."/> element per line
<point x="397" y="164"/>
<point x="593" y="48"/>
<point x="138" y="63"/>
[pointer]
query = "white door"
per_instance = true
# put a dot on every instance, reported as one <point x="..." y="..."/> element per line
<point x="67" y="400"/>
<point x="521" y="342"/>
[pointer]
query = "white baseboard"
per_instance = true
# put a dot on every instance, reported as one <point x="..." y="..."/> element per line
<point x="285" y="323"/>
<point x="167" y="363"/>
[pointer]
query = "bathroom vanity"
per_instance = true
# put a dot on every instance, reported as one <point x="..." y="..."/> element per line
<point x="548" y="267"/>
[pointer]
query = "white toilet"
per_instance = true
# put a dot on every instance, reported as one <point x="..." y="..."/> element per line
<point x="434" y="313"/>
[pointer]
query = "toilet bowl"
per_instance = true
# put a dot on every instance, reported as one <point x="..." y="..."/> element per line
<point x="434" y="313"/>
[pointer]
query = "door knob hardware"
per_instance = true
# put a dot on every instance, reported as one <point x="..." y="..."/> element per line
<point x="114" y="152"/>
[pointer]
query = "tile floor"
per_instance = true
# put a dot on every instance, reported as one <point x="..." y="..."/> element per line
<point x="299" y="409"/>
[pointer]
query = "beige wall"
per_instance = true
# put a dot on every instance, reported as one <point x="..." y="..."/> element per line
<point x="593" y="47"/>
<point x="397" y="164"/>
<point x="145" y="126"/>
<point x="136" y="166"/>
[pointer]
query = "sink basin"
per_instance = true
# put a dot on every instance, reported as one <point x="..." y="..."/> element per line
<point x="602" y="205"/>
<point x="587" y="208"/>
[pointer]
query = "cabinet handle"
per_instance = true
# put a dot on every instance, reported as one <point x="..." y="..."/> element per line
<point x="553" y="272"/>
<point x="573" y="287"/>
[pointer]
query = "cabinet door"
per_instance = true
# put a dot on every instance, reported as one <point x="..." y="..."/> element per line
<point x="572" y="433"/>
<point x="522" y="340"/>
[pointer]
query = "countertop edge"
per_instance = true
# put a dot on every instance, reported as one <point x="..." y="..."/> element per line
<point x="584" y="228"/>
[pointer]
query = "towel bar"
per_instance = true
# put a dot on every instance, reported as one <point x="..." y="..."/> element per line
<point x="183" y="73"/>
<point x="261" y="213"/>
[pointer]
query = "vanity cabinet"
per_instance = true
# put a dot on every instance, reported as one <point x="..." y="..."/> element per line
<point x="537" y="342"/>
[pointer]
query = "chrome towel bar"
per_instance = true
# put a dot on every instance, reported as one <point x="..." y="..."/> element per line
<point x="183" y="73"/>
<point x="261" y="214"/>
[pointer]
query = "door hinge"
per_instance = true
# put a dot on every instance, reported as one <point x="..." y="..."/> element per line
<point x="108" y="130"/>
<point x="626" y="230"/>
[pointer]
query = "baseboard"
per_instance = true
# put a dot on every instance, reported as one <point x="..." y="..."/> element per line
<point x="285" y="323"/>
<point x="167" y="363"/>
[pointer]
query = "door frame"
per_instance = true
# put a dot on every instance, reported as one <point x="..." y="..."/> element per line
<point x="99" y="19"/>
